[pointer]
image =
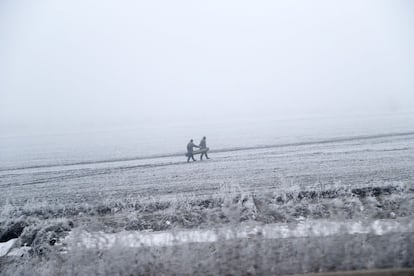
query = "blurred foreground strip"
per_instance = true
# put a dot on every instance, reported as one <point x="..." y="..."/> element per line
<point x="373" y="272"/>
<point x="309" y="228"/>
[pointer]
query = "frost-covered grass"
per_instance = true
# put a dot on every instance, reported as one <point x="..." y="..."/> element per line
<point x="229" y="205"/>
<point x="254" y="256"/>
<point x="347" y="182"/>
<point x="42" y="225"/>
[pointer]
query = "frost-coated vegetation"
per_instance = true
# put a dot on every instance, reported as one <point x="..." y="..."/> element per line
<point x="369" y="183"/>
<point x="42" y="227"/>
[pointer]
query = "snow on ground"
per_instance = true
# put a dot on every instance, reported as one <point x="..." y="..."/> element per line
<point x="334" y="195"/>
<point x="352" y="162"/>
<point x="309" y="228"/>
<point x="6" y="246"/>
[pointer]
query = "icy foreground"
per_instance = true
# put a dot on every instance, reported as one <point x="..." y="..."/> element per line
<point x="336" y="204"/>
<point x="304" y="229"/>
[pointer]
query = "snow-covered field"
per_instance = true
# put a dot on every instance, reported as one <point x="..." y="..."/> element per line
<point x="322" y="205"/>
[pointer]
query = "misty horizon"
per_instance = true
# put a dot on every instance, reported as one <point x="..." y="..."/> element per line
<point x="69" y="66"/>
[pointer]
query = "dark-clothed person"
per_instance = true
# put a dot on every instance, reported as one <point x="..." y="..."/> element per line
<point x="203" y="145"/>
<point x="190" y="147"/>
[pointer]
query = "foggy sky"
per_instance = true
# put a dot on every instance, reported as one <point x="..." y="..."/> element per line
<point x="82" y="63"/>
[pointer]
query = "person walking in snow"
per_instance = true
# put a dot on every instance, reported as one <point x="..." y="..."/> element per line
<point x="190" y="147"/>
<point x="203" y="145"/>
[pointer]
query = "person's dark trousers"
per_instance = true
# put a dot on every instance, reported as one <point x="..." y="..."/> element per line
<point x="204" y="153"/>
<point x="190" y="156"/>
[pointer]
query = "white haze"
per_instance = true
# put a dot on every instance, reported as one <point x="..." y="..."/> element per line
<point x="83" y="64"/>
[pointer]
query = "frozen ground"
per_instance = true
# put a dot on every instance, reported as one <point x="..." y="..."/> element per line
<point x="331" y="186"/>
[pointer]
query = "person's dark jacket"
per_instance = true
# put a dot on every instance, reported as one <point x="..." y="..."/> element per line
<point x="190" y="147"/>
<point x="203" y="144"/>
